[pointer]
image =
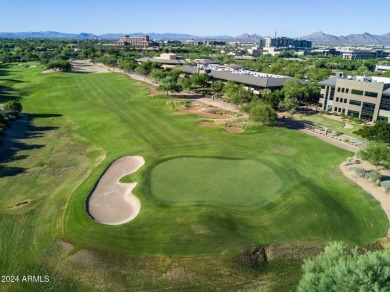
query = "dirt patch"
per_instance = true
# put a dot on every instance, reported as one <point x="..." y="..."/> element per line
<point x="292" y="251"/>
<point x="153" y="92"/>
<point x="177" y="275"/>
<point x="85" y="257"/>
<point x="207" y="124"/>
<point x="203" y="114"/>
<point x="234" y="130"/>
<point x="200" y="229"/>
<point x="49" y="71"/>
<point x="66" y="246"/>
<point x="112" y="202"/>
<point x="385" y="243"/>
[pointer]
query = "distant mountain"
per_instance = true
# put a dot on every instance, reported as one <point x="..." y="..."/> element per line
<point x="317" y="37"/>
<point x="248" y="37"/>
<point x="364" y="38"/>
<point x="113" y="36"/>
<point x="47" y="34"/>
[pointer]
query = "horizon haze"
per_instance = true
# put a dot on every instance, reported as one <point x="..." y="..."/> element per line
<point x="228" y="17"/>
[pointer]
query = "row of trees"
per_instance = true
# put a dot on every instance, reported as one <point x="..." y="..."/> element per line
<point x="264" y="106"/>
<point x="314" y="68"/>
<point x="12" y="109"/>
<point x="60" y="65"/>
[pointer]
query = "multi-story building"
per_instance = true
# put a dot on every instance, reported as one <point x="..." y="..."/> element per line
<point x="361" y="54"/>
<point x="283" y="42"/>
<point x="215" y="43"/>
<point x="367" y="98"/>
<point x="138" y="42"/>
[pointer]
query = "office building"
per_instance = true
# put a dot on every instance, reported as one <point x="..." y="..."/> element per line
<point x="367" y="98"/>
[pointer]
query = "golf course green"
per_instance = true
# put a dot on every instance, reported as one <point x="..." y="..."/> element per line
<point x="205" y="194"/>
<point x="222" y="182"/>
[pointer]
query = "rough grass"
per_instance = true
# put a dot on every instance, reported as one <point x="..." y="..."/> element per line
<point x="79" y="123"/>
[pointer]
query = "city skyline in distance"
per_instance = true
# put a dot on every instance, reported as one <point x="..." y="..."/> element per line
<point x="228" y="17"/>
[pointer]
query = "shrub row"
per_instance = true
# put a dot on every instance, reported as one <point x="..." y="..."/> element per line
<point x="370" y="175"/>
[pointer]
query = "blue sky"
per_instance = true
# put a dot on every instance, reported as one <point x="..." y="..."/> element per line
<point x="201" y="17"/>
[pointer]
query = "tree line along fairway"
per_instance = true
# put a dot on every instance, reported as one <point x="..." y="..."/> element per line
<point x="79" y="123"/>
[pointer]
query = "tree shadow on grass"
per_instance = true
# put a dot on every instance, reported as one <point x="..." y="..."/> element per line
<point x="290" y="123"/>
<point x="6" y="94"/>
<point x="16" y="139"/>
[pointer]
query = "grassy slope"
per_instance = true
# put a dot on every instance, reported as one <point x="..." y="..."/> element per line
<point x="77" y="118"/>
<point x="333" y="124"/>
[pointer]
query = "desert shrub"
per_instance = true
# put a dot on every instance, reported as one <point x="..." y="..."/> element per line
<point x="342" y="269"/>
<point x="386" y="185"/>
<point x="172" y="105"/>
<point x="13" y="106"/>
<point x="375" y="152"/>
<point x="245" y="107"/>
<point x="186" y="103"/>
<point x="359" y="171"/>
<point x="373" y="176"/>
<point x="370" y="175"/>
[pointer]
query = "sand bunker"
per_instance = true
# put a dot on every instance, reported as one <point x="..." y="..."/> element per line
<point x="112" y="202"/>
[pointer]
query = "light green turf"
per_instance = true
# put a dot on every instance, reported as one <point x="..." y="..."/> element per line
<point x="80" y="123"/>
<point x="231" y="183"/>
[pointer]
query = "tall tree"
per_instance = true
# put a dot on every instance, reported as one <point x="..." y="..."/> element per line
<point x="200" y="80"/>
<point x="379" y="132"/>
<point x="217" y="87"/>
<point x="263" y="113"/>
<point x="169" y="84"/>
<point x="294" y="89"/>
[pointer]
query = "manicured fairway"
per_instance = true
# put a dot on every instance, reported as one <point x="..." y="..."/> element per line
<point x="209" y="181"/>
<point x="79" y="123"/>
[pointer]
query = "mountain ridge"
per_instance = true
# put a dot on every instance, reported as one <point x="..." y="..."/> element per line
<point x="363" y="38"/>
<point x="316" y="37"/>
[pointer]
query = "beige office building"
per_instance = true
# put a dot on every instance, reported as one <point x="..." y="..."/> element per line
<point x="367" y="98"/>
<point x="138" y="42"/>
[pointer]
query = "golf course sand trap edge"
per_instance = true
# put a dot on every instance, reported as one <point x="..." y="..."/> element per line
<point x="112" y="202"/>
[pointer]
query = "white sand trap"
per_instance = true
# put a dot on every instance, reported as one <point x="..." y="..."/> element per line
<point x="112" y="202"/>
